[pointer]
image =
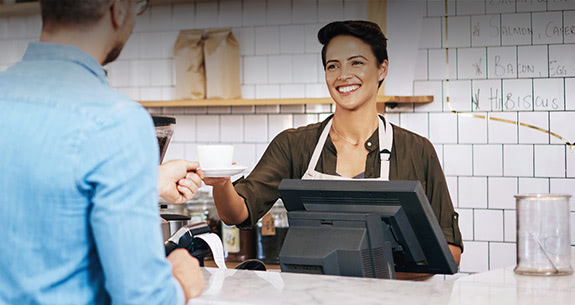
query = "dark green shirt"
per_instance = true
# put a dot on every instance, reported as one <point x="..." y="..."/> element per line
<point x="287" y="157"/>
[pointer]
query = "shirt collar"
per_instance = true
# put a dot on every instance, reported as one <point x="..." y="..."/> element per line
<point x="51" y="51"/>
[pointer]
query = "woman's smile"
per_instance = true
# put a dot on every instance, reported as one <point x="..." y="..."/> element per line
<point x="347" y="89"/>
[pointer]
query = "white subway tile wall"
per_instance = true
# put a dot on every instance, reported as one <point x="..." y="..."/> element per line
<point x="458" y="161"/>
<point x="229" y="132"/>
<point x="510" y="225"/>
<point x="570" y="163"/>
<point x="473" y="192"/>
<point x="417" y="122"/>
<point x="421" y="65"/>
<point x="488" y="160"/>
<point x="502" y="255"/>
<point x="473" y="129"/>
<point x="471" y="63"/>
<point x="562" y="123"/>
<point x="456" y="33"/>
<point x="475" y="258"/>
<point x="488" y="225"/>
<point x="466" y="7"/>
<point x="509" y="63"/>
<point x="569" y="26"/>
<point x="517" y="56"/>
<point x="443" y="127"/>
<point x="533" y="185"/>
<point x="530" y="135"/>
<point x="501" y="192"/>
<point x="486" y="95"/>
<point x="437" y="7"/>
<point x="466" y="223"/>
<point x="430" y="33"/>
<point x="228" y="13"/>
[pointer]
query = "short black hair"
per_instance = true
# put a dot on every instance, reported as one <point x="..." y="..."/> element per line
<point x="367" y="31"/>
<point x="73" y="12"/>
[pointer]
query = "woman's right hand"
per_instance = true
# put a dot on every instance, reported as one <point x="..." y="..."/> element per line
<point x="217" y="182"/>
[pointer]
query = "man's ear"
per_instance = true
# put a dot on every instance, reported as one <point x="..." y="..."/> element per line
<point x="382" y="71"/>
<point x="118" y="13"/>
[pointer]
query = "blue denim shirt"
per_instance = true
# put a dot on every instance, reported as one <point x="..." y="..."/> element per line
<point x="79" y="220"/>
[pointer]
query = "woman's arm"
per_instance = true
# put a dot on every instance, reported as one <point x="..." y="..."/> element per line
<point x="456" y="252"/>
<point x="231" y="206"/>
<point x="252" y="197"/>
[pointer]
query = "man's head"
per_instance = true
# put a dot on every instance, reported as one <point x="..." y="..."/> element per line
<point x="114" y="19"/>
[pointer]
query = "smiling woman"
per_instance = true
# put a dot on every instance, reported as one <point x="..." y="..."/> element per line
<point x="354" y="143"/>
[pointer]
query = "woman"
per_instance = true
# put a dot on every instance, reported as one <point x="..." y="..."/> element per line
<point x="349" y="144"/>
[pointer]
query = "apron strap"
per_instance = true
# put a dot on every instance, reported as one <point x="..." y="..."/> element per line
<point x="385" y="133"/>
<point x="319" y="147"/>
<point x="385" y="146"/>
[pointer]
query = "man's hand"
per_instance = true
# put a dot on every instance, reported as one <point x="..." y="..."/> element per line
<point x="179" y="180"/>
<point x="187" y="272"/>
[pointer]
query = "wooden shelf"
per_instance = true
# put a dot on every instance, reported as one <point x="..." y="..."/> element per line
<point x="293" y="101"/>
<point x="30" y="8"/>
<point x="19" y="9"/>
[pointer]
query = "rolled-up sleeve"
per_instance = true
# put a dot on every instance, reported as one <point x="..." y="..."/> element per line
<point x="439" y="198"/>
<point x="120" y="173"/>
<point x="260" y="189"/>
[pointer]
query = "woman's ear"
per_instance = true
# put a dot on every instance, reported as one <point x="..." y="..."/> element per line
<point x="382" y="70"/>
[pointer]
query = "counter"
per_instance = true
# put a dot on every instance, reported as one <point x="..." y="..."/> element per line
<point x="494" y="287"/>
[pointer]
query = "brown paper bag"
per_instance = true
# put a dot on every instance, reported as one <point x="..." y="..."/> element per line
<point x="222" y="57"/>
<point x="189" y="64"/>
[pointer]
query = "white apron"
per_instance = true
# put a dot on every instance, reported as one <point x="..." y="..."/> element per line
<point x="385" y="143"/>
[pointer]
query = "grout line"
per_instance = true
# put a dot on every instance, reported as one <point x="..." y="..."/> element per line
<point x="531" y="25"/>
<point x="549" y="125"/>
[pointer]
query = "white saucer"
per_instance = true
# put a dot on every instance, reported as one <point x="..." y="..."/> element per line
<point x="223" y="172"/>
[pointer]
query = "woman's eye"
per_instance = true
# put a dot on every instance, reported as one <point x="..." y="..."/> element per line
<point x="357" y="63"/>
<point x="331" y="67"/>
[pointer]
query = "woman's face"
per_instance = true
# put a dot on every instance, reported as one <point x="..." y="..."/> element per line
<point x="352" y="72"/>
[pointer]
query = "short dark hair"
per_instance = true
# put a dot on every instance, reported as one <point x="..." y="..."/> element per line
<point x="73" y="12"/>
<point x="367" y="31"/>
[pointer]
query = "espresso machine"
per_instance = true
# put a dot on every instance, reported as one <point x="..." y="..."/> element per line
<point x="172" y="219"/>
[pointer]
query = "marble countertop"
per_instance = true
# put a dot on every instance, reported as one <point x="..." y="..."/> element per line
<point x="494" y="287"/>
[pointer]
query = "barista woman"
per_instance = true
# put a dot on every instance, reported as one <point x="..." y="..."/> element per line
<point x="354" y="143"/>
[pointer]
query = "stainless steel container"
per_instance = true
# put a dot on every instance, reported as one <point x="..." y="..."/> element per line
<point x="165" y="229"/>
<point x="175" y="221"/>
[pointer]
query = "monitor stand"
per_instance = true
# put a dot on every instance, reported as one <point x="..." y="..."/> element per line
<point x="338" y="243"/>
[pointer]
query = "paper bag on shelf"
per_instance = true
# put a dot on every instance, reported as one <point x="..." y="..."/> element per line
<point x="222" y="58"/>
<point x="189" y="65"/>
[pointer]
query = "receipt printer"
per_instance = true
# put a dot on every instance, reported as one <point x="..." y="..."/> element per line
<point x="186" y="238"/>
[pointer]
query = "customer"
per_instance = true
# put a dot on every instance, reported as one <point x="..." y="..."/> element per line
<point x="79" y="220"/>
<point x="347" y="144"/>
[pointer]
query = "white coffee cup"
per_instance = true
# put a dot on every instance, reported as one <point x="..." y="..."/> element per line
<point x="215" y="156"/>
